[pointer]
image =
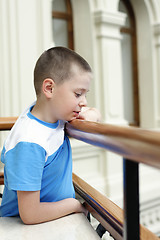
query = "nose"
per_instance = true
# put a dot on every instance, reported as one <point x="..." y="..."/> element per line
<point x="83" y="102"/>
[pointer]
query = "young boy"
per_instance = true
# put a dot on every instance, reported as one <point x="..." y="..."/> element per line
<point x="37" y="154"/>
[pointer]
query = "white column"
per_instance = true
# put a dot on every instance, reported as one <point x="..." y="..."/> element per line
<point x="26" y="31"/>
<point x="9" y="81"/>
<point x="34" y="31"/>
<point x="109" y="75"/>
<point x="109" y="88"/>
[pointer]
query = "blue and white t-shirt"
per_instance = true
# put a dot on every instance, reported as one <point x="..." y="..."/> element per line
<point x="36" y="156"/>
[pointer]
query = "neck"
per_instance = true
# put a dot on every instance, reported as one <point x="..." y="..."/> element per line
<point x="41" y="111"/>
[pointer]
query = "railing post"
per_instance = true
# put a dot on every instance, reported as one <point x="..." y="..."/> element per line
<point x="131" y="200"/>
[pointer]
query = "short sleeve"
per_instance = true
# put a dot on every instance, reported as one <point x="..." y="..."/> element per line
<point x="24" y="166"/>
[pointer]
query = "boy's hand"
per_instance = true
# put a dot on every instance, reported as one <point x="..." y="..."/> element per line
<point x="90" y="114"/>
<point x="81" y="208"/>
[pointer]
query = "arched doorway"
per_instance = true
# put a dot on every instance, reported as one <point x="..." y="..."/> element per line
<point x="129" y="65"/>
<point x="62" y="23"/>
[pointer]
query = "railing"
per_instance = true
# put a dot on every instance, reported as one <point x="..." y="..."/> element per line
<point x="135" y="146"/>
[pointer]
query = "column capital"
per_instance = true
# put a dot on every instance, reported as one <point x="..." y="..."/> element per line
<point x="109" y="23"/>
<point x="112" y="18"/>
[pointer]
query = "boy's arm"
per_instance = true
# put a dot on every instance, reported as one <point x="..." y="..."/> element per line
<point x="32" y="211"/>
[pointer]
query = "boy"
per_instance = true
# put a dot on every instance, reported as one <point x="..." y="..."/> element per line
<point x="37" y="153"/>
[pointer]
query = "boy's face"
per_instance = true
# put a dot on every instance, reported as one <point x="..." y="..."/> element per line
<point x="70" y="96"/>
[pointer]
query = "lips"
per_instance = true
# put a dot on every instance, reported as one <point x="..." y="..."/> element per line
<point x="76" y="114"/>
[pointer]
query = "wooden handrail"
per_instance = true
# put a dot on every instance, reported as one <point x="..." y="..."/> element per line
<point x="105" y="211"/>
<point x="137" y="144"/>
<point x="130" y="142"/>
<point x="6" y="123"/>
<point x="1" y="178"/>
<point x="133" y="143"/>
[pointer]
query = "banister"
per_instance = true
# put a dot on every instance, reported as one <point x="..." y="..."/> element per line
<point x="112" y="214"/>
<point x="101" y="208"/>
<point x="6" y="123"/>
<point x="135" y="146"/>
<point x="130" y="142"/>
<point x="140" y="145"/>
<point x="1" y="178"/>
<point x="124" y="137"/>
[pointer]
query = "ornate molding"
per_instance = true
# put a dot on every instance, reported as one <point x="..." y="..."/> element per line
<point x="109" y="23"/>
<point x="112" y="18"/>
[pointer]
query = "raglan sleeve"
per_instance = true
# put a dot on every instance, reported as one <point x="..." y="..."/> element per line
<point x="24" y="166"/>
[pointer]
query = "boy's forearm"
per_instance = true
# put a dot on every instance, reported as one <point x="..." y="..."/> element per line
<point x="50" y="211"/>
<point x="38" y="212"/>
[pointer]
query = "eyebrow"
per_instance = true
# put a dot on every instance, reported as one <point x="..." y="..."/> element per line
<point x="82" y="89"/>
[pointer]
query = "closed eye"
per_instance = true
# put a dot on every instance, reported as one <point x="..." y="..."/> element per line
<point x="78" y="94"/>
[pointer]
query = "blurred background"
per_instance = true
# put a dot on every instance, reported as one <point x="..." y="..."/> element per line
<point x="121" y="41"/>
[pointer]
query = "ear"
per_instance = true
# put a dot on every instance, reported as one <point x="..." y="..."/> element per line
<point x="48" y="87"/>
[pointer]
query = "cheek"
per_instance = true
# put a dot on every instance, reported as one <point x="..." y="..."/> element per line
<point x="70" y="100"/>
<point x="66" y="100"/>
<point x="70" y="103"/>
